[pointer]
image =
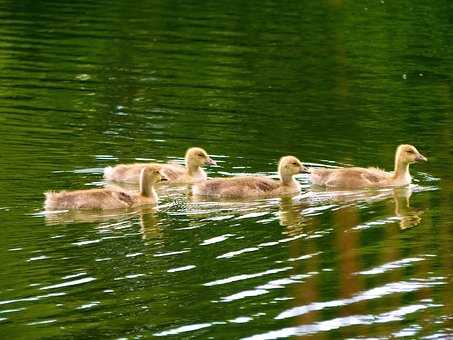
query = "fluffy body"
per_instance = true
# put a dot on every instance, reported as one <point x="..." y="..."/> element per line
<point x="104" y="199"/>
<point x="254" y="186"/>
<point x="95" y="199"/>
<point x="356" y="178"/>
<point x="244" y="187"/>
<point x="191" y="173"/>
<point x="174" y="173"/>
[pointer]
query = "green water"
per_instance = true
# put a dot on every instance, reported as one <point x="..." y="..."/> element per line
<point x="86" y="84"/>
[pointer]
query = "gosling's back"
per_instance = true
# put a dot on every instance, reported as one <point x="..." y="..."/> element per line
<point x="88" y="199"/>
<point x="238" y="187"/>
<point x="350" y="178"/>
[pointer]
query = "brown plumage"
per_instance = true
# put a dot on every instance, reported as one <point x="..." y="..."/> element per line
<point x="356" y="178"/>
<point x="107" y="198"/>
<point x="195" y="158"/>
<point x="254" y="186"/>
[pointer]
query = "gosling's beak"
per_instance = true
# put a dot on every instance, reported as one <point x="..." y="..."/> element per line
<point x="210" y="161"/>
<point x="420" y="157"/>
<point x="304" y="170"/>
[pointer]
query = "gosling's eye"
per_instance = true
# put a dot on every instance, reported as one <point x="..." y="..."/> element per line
<point x="410" y="151"/>
<point x="294" y="163"/>
<point x="200" y="155"/>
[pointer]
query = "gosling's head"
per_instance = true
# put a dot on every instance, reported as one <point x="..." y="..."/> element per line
<point x="198" y="157"/>
<point x="152" y="175"/>
<point x="408" y="154"/>
<point x="289" y="166"/>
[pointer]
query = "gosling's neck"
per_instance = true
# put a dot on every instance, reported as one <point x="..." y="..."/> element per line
<point x="401" y="172"/>
<point x="288" y="180"/>
<point x="147" y="189"/>
<point x="194" y="170"/>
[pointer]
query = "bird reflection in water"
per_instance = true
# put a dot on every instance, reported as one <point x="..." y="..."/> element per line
<point x="409" y="217"/>
<point x="290" y="215"/>
<point x="110" y="219"/>
<point x="294" y="213"/>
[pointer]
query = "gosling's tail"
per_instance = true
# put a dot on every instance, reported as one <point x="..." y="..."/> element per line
<point x="52" y="201"/>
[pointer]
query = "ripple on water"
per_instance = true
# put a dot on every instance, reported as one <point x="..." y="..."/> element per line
<point x="181" y="269"/>
<point x="391" y="266"/>
<point x="69" y="283"/>
<point x="270" y="244"/>
<point x="183" y="329"/>
<point x="245" y="277"/>
<point x="371" y="294"/>
<point x="216" y="239"/>
<point x="32" y="298"/>
<point x="327" y="325"/>
<point x="86" y="85"/>
<point x="265" y="288"/>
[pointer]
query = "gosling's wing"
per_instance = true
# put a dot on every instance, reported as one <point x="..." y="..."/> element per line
<point x="349" y="178"/>
<point x="248" y="186"/>
<point x="123" y="196"/>
<point x="375" y="175"/>
<point x="86" y="199"/>
<point x="263" y="184"/>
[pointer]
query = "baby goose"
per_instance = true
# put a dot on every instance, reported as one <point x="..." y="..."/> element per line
<point x="355" y="178"/>
<point x="195" y="158"/>
<point x="254" y="186"/>
<point x="107" y="198"/>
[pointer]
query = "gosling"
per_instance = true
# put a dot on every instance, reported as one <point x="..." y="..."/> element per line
<point x="357" y="178"/>
<point x="192" y="172"/>
<point x="254" y="186"/>
<point x="104" y="199"/>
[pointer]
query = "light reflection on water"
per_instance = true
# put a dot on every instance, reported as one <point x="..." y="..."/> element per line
<point x="223" y="229"/>
<point x="88" y="84"/>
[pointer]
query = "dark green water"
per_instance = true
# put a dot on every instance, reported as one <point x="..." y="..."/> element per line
<point x="85" y="84"/>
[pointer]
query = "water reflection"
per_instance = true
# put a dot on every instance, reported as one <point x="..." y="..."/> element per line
<point x="110" y="219"/>
<point x="348" y="221"/>
<point x="408" y="217"/>
<point x="290" y="215"/>
<point x="294" y="211"/>
<point x="356" y="200"/>
<point x="86" y="84"/>
<point x="86" y="216"/>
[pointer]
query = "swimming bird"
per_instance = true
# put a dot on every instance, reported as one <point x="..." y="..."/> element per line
<point x="254" y="186"/>
<point x="356" y="178"/>
<point x="107" y="198"/>
<point x="192" y="172"/>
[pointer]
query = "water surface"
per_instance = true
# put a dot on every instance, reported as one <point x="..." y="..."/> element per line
<point x="88" y="84"/>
